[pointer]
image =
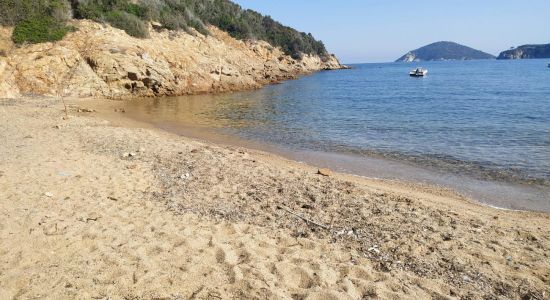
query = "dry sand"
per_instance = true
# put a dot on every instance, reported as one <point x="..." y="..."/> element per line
<point x="92" y="208"/>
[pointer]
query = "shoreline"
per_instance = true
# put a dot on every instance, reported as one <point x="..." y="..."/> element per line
<point x="485" y="191"/>
<point x="104" y="208"/>
<point x="103" y="110"/>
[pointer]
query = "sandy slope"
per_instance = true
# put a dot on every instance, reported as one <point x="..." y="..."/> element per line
<point x="182" y="219"/>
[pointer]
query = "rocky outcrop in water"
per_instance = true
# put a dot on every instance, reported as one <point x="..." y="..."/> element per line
<point x="444" y="51"/>
<point x="527" y="52"/>
<point x="100" y="61"/>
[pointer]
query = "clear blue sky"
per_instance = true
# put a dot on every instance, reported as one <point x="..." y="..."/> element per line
<point x="383" y="30"/>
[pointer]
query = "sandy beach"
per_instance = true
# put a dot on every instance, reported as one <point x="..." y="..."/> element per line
<point x="97" y="206"/>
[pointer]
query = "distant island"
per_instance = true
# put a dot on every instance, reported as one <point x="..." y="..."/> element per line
<point x="526" y="52"/>
<point x="444" y="51"/>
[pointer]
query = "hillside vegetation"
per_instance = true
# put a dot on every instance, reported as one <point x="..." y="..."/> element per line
<point x="444" y="51"/>
<point x="35" y="21"/>
<point x="44" y="20"/>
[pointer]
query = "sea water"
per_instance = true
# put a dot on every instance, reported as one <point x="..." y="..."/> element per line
<point x="481" y="125"/>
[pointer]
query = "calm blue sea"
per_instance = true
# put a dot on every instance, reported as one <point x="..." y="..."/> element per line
<point x="487" y="119"/>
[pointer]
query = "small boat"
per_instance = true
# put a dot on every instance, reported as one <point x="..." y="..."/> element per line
<point x="418" y="72"/>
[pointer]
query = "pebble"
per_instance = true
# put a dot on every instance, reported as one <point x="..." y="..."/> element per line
<point x="374" y="249"/>
<point x="48" y="194"/>
<point x="324" y="172"/>
<point x="92" y="217"/>
<point x="446" y="236"/>
<point x="185" y="176"/>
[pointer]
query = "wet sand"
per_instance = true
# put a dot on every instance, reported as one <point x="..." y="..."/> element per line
<point x="101" y="206"/>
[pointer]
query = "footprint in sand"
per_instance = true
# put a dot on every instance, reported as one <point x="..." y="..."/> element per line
<point x="294" y="276"/>
<point x="226" y="254"/>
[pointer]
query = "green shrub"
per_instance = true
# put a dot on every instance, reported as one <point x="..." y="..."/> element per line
<point x="198" y="25"/>
<point x="119" y="13"/>
<point x="14" y="11"/>
<point x="171" y="21"/>
<point x="39" y="29"/>
<point x="136" y="10"/>
<point x="88" y="10"/>
<point x="127" y="22"/>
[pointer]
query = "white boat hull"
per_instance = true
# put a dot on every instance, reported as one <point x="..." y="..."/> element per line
<point x="418" y="73"/>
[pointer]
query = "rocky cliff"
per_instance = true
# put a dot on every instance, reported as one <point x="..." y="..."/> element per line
<point x="444" y="51"/>
<point x="526" y="52"/>
<point x="100" y="61"/>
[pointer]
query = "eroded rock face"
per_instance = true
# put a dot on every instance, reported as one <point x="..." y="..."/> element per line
<point x="8" y="88"/>
<point x="409" y="57"/>
<point x="101" y="61"/>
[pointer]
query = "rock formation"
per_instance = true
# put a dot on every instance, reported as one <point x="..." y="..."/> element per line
<point x="526" y="52"/>
<point x="100" y="61"/>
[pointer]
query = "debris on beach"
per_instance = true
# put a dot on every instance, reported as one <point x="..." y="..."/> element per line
<point x="85" y="110"/>
<point x="128" y="154"/>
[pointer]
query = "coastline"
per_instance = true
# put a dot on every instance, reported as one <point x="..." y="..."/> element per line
<point x="195" y="124"/>
<point x="116" y="208"/>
